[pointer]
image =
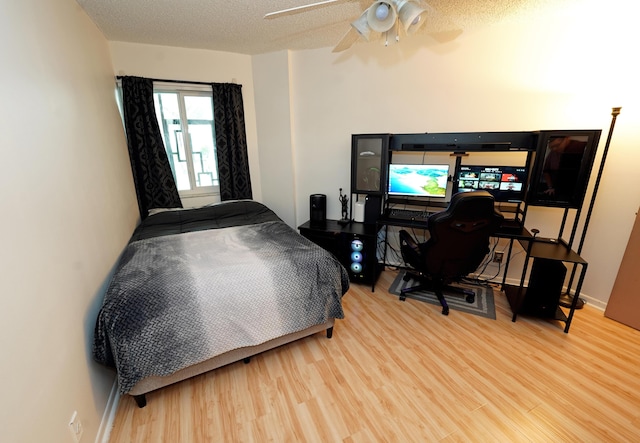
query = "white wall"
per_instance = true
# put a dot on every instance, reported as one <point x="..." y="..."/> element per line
<point x="562" y="68"/>
<point x="170" y="63"/>
<point x="273" y="105"/>
<point x="68" y="208"/>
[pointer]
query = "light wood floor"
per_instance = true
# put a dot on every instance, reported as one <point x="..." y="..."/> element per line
<point x="402" y="372"/>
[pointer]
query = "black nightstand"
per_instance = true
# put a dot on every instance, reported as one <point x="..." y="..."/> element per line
<point x="353" y="244"/>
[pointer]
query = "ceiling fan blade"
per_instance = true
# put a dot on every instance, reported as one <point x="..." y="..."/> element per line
<point x="347" y="41"/>
<point x="299" y="8"/>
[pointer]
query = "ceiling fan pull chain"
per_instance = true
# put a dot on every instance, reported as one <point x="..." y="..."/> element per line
<point x="397" y="26"/>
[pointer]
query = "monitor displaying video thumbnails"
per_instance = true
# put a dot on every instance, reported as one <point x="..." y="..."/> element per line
<point x="505" y="183"/>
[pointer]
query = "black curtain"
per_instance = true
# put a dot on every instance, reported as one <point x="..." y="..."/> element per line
<point x="231" y="142"/>
<point x="154" y="181"/>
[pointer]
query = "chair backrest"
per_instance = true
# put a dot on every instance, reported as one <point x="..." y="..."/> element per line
<point x="459" y="235"/>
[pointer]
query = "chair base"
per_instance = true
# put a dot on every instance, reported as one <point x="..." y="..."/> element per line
<point x="437" y="289"/>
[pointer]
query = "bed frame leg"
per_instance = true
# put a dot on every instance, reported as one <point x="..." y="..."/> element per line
<point x="330" y="332"/>
<point x="141" y="400"/>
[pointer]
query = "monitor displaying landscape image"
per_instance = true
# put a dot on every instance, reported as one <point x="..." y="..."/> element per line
<point x="418" y="180"/>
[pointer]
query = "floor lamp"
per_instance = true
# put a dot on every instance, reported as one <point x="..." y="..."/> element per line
<point x="567" y="299"/>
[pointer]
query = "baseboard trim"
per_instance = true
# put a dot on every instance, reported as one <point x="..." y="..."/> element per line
<point x="109" y="416"/>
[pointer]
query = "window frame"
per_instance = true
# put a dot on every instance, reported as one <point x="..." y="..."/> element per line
<point x="182" y="90"/>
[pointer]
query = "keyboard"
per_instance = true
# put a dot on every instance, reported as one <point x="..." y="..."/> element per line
<point x="408" y="214"/>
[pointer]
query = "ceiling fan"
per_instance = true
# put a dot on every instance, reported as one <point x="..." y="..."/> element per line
<point x="384" y="17"/>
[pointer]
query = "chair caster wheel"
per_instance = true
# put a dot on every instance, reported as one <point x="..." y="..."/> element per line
<point x="403" y="298"/>
<point x="470" y="298"/>
<point x="406" y="277"/>
<point x="445" y="311"/>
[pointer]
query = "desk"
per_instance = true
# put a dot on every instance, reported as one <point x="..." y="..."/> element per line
<point x="509" y="231"/>
<point x="543" y="255"/>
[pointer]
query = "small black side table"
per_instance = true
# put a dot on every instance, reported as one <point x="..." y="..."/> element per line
<point x="353" y="244"/>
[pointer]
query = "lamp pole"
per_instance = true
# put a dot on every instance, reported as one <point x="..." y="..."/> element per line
<point x="567" y="299"/>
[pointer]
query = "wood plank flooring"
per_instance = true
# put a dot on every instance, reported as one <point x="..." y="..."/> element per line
<point x="402" y="372"/>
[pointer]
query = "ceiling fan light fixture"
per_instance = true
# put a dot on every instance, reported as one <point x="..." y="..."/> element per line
<point x="382" y="11"/>
<point x="410" y="15"/>
<point x="362" y="26"/>
<point x="381" y="16"/>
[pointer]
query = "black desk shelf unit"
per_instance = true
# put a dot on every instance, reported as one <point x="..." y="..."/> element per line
<point x="354" y="245"/>
<point x="541" y="297"/>
<point x="372" y="154"/>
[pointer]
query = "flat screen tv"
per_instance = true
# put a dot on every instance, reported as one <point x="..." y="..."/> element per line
<point x="505" y="183"/>
<point x="418" y="180"/>
<point x="563" y="164"/>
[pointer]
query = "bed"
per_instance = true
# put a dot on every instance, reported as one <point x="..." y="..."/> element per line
<point x="197" y="289"/>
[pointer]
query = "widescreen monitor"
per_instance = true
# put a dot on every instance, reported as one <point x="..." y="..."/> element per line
<point x="411" y="180"/>
<point x="505" y="183"/>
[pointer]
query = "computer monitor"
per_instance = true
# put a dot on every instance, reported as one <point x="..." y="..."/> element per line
<point x="505" y="183"/>
<point x="412" y="180"/>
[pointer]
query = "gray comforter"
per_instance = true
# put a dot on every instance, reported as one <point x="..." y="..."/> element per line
<point x="180" y="299"/>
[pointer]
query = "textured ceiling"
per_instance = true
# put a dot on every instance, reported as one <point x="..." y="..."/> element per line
<point x="238" y="26"/>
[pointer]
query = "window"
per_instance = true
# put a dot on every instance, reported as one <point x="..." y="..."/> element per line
<point x="185" y="118"/>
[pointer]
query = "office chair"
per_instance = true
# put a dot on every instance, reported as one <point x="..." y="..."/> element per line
<point x="458" y="242"/>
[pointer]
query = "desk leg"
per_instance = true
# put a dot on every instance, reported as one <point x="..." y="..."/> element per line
<point x="386" y="242"/>
<point x="516" y="308"/>
<point x="576" y="296"/>
<point x="384" y="256"/>
<point x="521" y="288"/>
<point x="506" y="264"/>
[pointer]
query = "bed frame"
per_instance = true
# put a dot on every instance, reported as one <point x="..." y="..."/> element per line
<point x="149" y="384"/>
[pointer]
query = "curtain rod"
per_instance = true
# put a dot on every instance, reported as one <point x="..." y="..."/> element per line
<point x="119" y="77"/>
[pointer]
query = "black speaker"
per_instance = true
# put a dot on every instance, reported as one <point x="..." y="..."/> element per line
<point x="318" y="209"/>
<point x="372" y="209"/>
<point x="545" y="287"/>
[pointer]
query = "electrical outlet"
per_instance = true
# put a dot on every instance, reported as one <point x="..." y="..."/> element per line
<point x="75" y="427"/>
<point x="498" y="256"/>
